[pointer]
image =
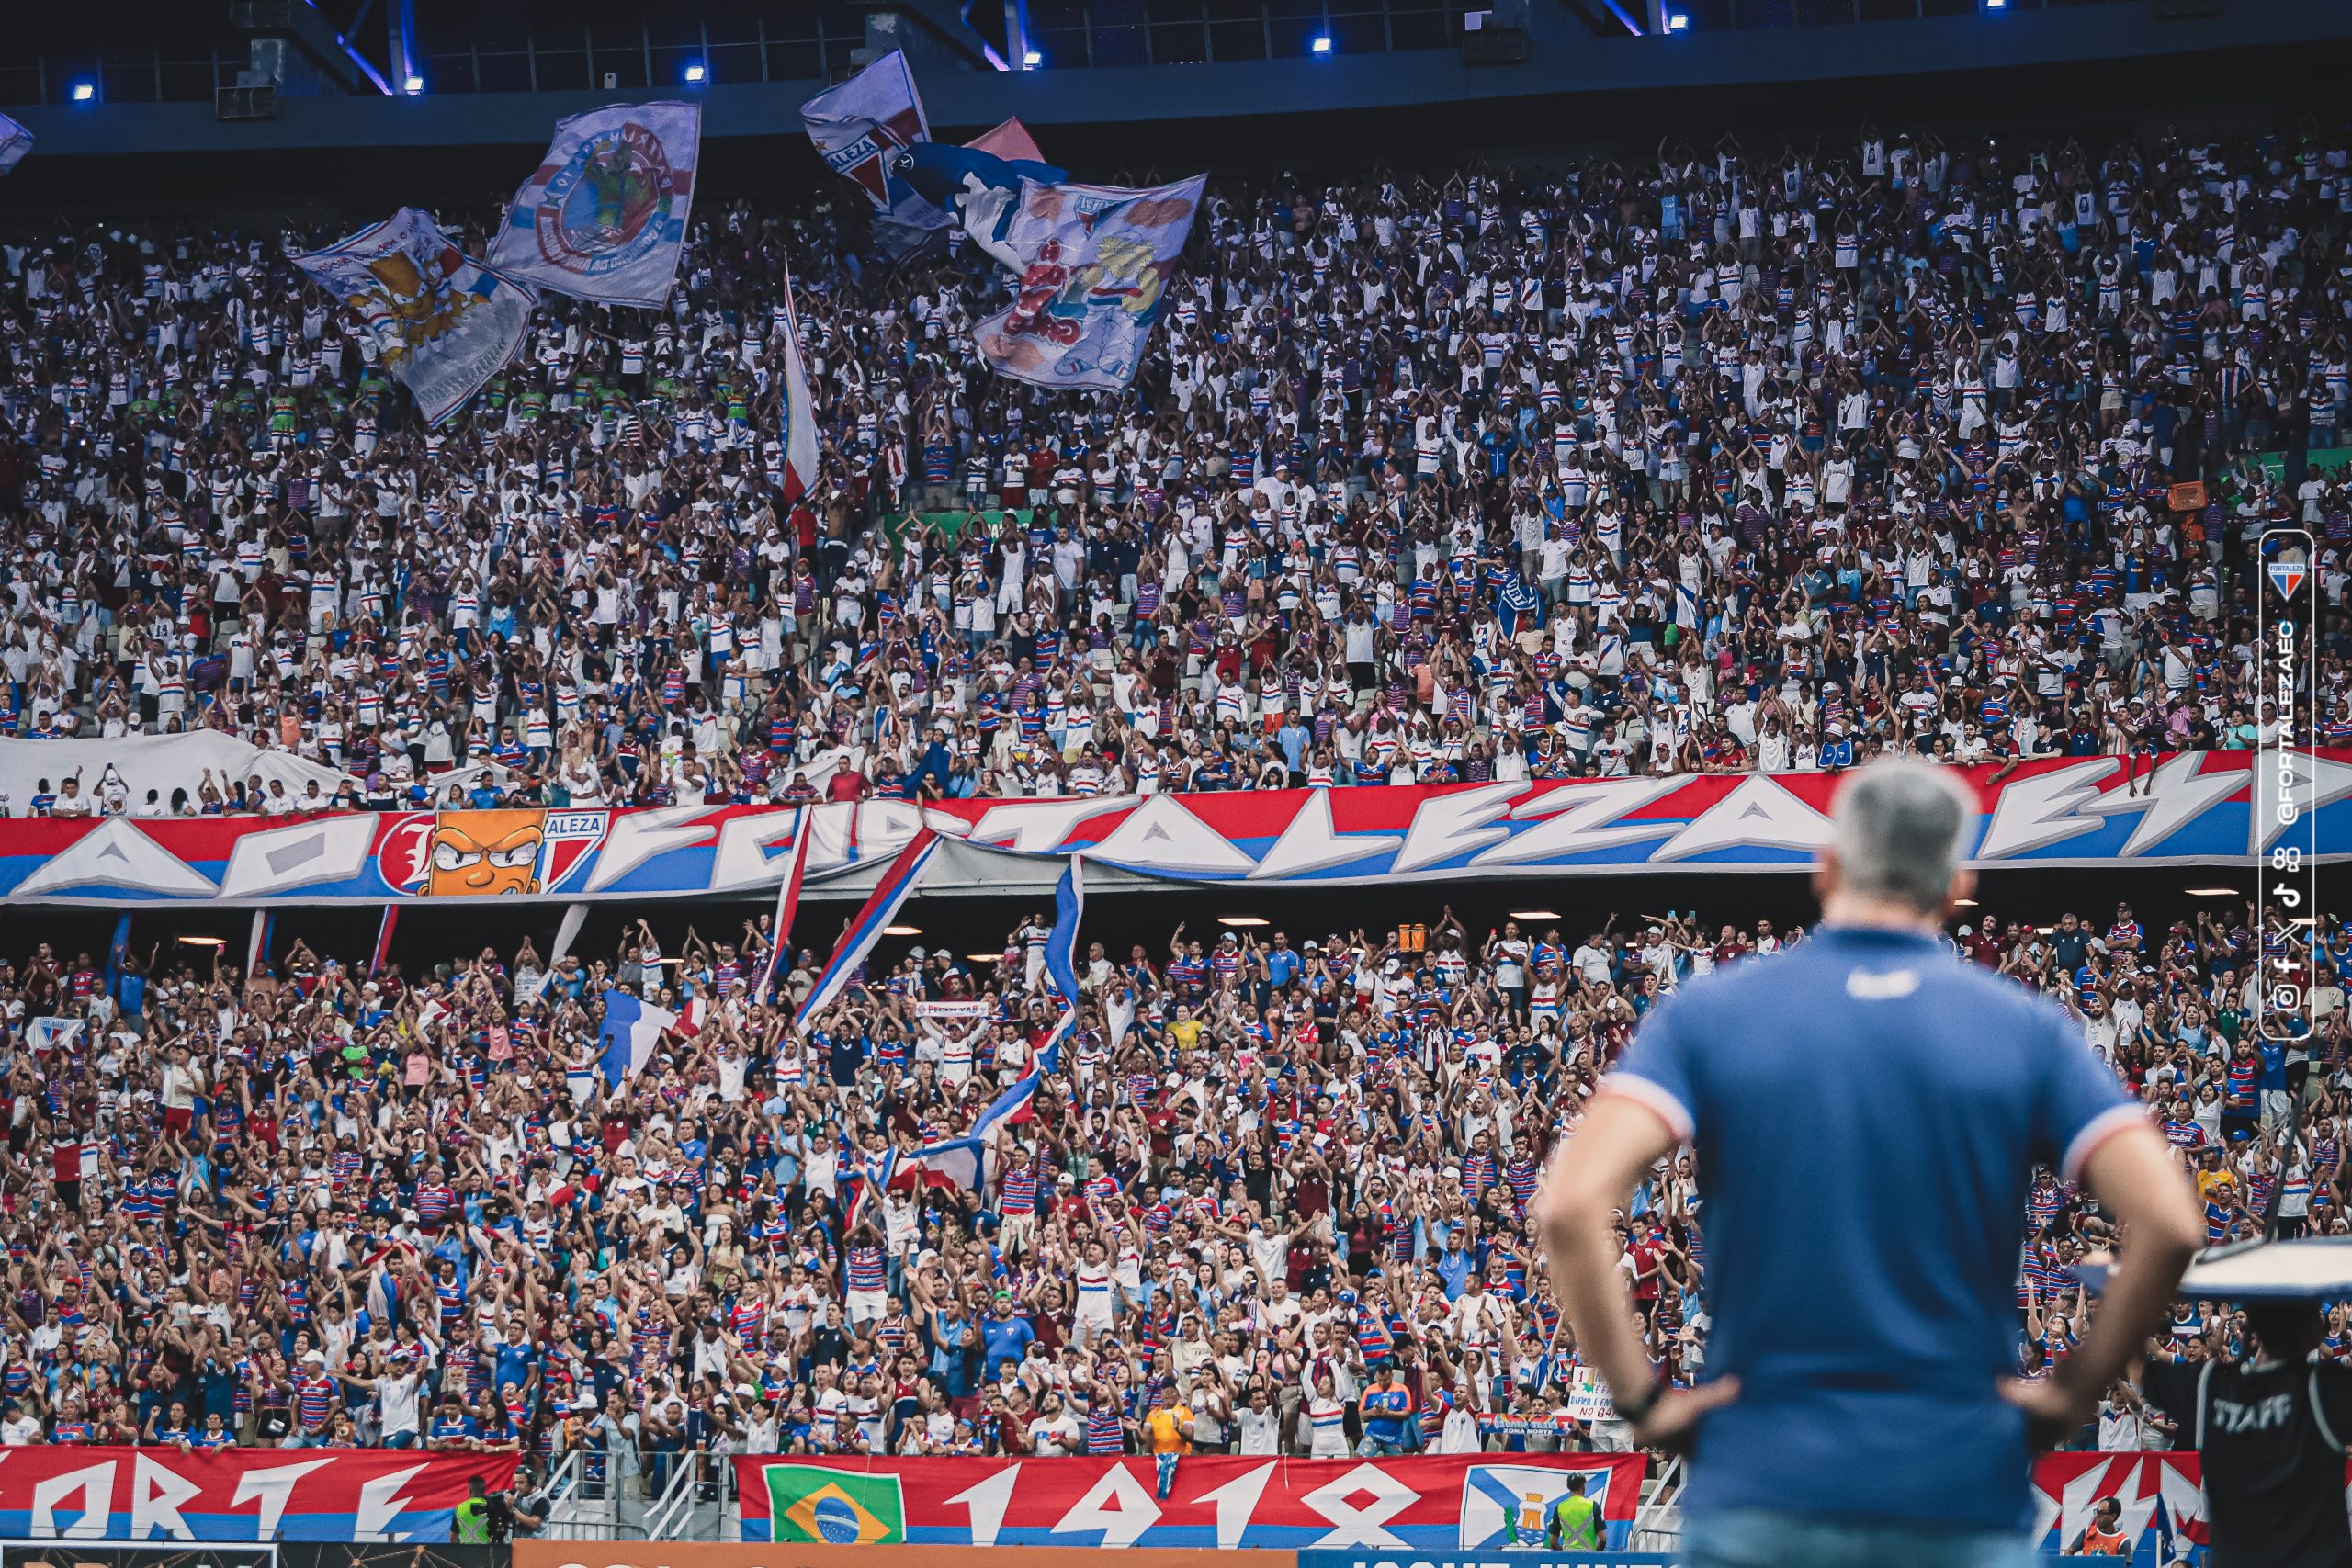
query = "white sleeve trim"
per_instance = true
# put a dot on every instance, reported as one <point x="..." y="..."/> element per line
<point x="2096" y="1131"/>
<point x="1657" y="1098"/>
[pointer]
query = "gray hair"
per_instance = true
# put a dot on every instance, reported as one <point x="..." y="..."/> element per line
<point x="1896" y="826"/>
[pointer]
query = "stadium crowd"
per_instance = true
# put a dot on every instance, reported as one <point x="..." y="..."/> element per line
<point x="1724" y="458"/>
<point x="1274" y="1199"/>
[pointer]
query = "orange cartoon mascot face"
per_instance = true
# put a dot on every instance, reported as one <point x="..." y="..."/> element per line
<point x="479" y="854"/>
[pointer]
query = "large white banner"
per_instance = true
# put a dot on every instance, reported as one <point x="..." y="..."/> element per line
<point x="604" y="216"/>
<point x="1099" y="259"/>
<point x="14" y="142"/>
<point x="163" y="763"/>
<point x="435" y="318"/>
<point x="859" y="127"/>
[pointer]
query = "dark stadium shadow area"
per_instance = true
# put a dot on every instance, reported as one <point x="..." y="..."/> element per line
<point x="430" y="934"/>
<point x="2233" y="90"/>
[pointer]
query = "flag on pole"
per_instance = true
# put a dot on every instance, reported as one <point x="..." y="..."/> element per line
<point x="434" y="318"/>
<point x="604" y="215"/>
<point x="1015" y="1105"/>
<point x="119" y="955"/>
<point x="859" y="127"/>
<point x="788" y="903"/>
<point x="798" y="437"/>
<point x="632" y="1027"/>
<point x="383" y="953"/>
<point x="257" y="944"/>
<point x="881" y="907"/>
<point x="566" y="932"/>
<point x="14" y="142"/>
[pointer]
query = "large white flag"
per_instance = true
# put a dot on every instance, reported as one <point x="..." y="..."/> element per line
<point x="604" y="216"/>
<point x="435" y="318"/>
<point x="859" y="127"/>
<point x="1097" y="263"/>
<point x="14" y="142"/>
<point x="800" y="433"/>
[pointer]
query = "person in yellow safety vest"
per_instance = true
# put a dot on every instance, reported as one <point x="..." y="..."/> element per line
<point x="1574" y="1522"/>
<point x="2101" y="1538"/>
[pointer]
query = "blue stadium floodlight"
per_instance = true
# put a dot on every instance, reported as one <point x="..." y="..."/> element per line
<point x="1031" y="60"/>
<point x="1322" y="44"/>
<point x="1997" y="4"/>
<point x="1678" y="22"/>
<point x="84" y="92"/>
<point x="697" y="71"/>
<point x="413" y="85"/>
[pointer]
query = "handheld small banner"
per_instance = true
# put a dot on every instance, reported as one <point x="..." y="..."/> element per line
<point x="440" y="321"/>
<point x="604" y="216"/>
<point x="1099" y="259"/>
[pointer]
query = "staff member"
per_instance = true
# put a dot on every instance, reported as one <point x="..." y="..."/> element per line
<point x="1574" y="1524"/>
<point x="1867" y="1110"/>
<point x="2271" y="1428"/>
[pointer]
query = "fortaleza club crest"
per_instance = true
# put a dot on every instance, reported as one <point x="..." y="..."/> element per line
<point x="616" y="201"/>
<point x="2287" y="576"/>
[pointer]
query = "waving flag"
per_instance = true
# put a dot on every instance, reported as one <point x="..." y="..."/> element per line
<point x="788" y="903"/>
<point x="799" y="433"/>
<point x="604" y="216"/>
<point x="14" y="142"/>
<point x="632" y="1029"/>
<point x="979" y="188"/>
<point x="1061" y="947"/>
<point x="1097" y="261"/>
<point x="440" y="321"/>
<point x="890" y="895"/>
<point x="859" y="127"/>
<point x="1061" y="968"/>
<point x="383" y="954"/>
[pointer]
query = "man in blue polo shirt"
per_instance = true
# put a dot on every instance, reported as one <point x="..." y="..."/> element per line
<point x="1867" y="1110"/>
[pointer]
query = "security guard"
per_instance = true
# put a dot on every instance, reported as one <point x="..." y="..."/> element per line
<point x="472" y="1523"/>
<point x="1574" y="1522"/>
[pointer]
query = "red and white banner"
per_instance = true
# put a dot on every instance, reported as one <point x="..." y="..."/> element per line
<point x="57" y="1492"/>
<point x="1427" y="1501"/>
<point x="2191" y="808"/>
<point x="2162" y="1497"/>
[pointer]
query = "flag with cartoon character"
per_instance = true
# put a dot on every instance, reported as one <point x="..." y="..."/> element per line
<point x="1096" y="263"/>
<point x="439" y="321"/>
<point x="604" y="216"/>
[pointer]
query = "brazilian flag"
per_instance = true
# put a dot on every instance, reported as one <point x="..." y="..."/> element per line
<point x="841" y="1508"/>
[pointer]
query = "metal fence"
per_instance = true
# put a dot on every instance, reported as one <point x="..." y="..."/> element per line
<point x="181" y="50"/>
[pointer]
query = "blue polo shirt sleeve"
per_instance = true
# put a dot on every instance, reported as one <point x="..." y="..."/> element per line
<point x="2078" y="1104"/>
<point x="1657" y="1072"/>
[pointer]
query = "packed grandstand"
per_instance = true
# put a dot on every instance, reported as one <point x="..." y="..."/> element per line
<point x="1719" y="459"/>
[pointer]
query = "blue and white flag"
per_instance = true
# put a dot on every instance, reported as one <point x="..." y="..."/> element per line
<point x="439" y="320"/>
<point x="975" y="187"/>
<point x="1061" y="946"/>
<point x="1061" y="968"/>
<point x="14" y="142"/>
<point x="632" y="1029"/>
<point x="604" y="215"/>
<point x="1098" y="260"/>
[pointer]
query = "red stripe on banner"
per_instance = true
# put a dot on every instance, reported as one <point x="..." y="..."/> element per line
<point x="1427" y="1501"/>
<point x="234" y="1494"/>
